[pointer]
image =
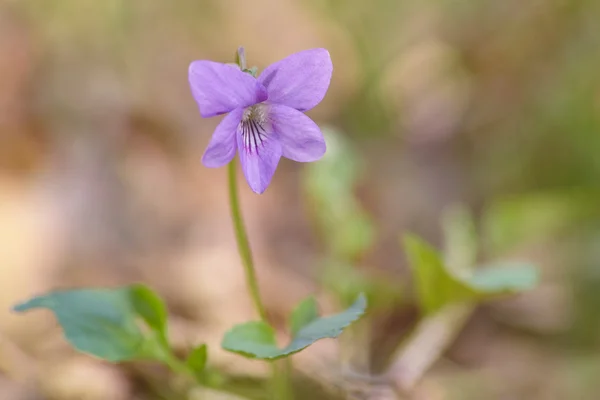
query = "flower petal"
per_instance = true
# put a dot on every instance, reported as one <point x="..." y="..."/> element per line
<point x="299" y="81"/>
<point x="223" y="144"/>
<point x="219" y="88"/>
<point x="301" y="139"/>
<point x="259" y="164"/>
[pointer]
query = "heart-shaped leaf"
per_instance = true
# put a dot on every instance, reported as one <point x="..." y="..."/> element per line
<point x="104" y="322"/>
<point x="257" y="339"/>
<point x="437" y="285"/>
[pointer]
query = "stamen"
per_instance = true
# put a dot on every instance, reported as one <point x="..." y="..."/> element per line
<point x="253" y="126"/>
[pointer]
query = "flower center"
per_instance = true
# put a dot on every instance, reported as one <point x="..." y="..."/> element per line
<point x="254" y="127"/>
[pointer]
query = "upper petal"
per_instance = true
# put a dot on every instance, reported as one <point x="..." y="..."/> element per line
<point x="223" y="144"/>
<point x="259" y="163"/>
<point x="299" y="81"/>
<point x="301" y="139"/>
<point x="219" y="88"/>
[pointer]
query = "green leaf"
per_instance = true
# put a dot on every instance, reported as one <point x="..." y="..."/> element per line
<point x="257" y="339"/>
<point x="253" y="340"/>
<point x="100" y="322"/>
<point x="196" y="360"/>
<point x="151" y="308"/>
<point x="306" y="312"/>
<point x="437" y="285"/>
<point x="104" y="322"/>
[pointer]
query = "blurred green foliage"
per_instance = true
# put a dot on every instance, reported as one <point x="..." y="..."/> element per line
<point x="345" y="228"/>
<point x="438" y="286"/>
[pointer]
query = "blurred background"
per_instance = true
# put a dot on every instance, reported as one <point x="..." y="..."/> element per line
<point x="494" y="105"/>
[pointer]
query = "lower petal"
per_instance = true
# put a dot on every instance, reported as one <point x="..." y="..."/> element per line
<point x="222" y="146"/>
<point x="301" y="139"/>
<point x="259" y="163"/>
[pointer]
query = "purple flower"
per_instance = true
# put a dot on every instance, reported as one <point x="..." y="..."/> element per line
<point x="266" y="119"/>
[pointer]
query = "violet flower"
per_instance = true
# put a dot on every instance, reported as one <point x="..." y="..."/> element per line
<point x="266" y="119"/>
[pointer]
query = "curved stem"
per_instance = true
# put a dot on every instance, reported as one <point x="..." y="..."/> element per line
<point x="242" y="242"/>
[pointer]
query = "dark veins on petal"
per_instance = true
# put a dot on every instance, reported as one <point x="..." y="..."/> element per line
<point x="253" y="131"/>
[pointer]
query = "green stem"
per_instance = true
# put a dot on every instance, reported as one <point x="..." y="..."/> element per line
<point x="282" y="379"/>
<point x="281" y="384"/>
<point x="242" y="243"/>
